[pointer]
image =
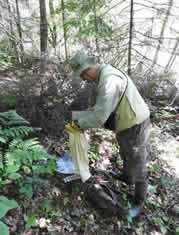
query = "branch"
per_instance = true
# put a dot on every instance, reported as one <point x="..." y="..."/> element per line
<point x="103" y="14"/>
<point x="155" y="38"/>
<point x="146" y="58"/>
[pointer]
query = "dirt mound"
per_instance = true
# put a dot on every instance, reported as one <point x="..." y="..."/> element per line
<point x="45" y="98"/>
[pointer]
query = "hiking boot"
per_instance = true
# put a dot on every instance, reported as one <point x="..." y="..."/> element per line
<point x="140" y="195"/>
<point x="136" y="209"/>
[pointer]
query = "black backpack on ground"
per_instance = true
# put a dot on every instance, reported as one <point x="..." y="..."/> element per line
<point x="103" y="198"/>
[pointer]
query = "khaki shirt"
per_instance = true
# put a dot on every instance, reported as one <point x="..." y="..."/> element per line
<point x="130" y="111"/>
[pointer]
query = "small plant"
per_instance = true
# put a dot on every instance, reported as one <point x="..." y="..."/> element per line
<point x="161" y="222"/>
<point x="65" y="201"/>
<point x="129" y="206"/>
<point x="85" y="224"/>
<point x="5" y="206"/>
<point x="93" y="154"/>
<point x="30" y="221"/>
<point x="48" y="210"/>
<point x="29" y="185"/>
<point x="46" y="205"/>
<point x="129" y="217"/>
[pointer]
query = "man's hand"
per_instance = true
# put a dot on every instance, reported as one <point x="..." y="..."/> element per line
<point x="75" y="125"/>
<point x="72" y="127"/>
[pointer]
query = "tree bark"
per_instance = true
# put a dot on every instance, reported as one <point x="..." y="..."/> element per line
<point x="19" y="28"/>
<point x="96" y="32"/>
<point x="11" y="35"/>
<point x="172" y="57"/>
<point x="130" y="37"/>
<point x="53" y="28"/>
<point x="43" y="27"/>
<point x="162" y="33"/>
<point x="64" y="29"/>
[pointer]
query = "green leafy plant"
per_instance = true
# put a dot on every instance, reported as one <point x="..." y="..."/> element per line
<point x="85" y="224"/>
<point x="9" y="100"/>
<point x="29" y="185"/>
<point x="46" y="206"/>
<point x="30" y="221"/>
<point x="165" y="115"/>
<point x="129" y="217"/>
<point x="161" y="222"/>
<point x="93" y="154"/>
<point x="5" y="206"/>
<point x="18" y="155"/>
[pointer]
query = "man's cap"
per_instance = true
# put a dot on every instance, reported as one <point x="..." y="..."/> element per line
<point x="80" y="62"/>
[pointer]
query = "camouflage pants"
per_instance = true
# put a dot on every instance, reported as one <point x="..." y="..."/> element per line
<point x="133" y="144"/>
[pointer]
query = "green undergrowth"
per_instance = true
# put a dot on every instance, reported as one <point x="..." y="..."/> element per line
<point x="23" y="161"/>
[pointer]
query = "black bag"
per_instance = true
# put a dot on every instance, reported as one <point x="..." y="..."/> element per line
<point x="103" y="198"/>
<point x="110" y="123"/>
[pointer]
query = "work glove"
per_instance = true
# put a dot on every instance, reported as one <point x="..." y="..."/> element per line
<point x="72" y="127"/>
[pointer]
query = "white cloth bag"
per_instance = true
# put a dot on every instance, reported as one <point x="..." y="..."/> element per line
<point x="79" y="146"/>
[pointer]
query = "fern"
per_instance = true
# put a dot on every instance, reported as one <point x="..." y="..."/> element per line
<point x="10" y="118"/>
<point x="13" y="125"/>
<point x="17" y="154"/>
<point x="26" y="152"/>
<point x="18" y="131"/>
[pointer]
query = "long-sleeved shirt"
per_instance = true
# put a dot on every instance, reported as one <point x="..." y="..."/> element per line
<point x="111" y="86"/>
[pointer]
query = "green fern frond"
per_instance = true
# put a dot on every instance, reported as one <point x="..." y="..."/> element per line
<point x="18" y="156"/>
<point x="30" y="144"/>
<point x="3" y="122"/>
<point x="3" y="139"/>
<point x="26" y="152"/>
<point x="10" y="118"/>
<point x="16" y="153"/>
<point x="18" y="131"/>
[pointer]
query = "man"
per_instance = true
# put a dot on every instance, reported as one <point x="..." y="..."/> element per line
<point x="119" y="107"/>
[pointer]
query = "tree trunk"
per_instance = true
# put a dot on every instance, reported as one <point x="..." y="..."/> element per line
<point x="19" y="31"/>
<point x="130" y="38"/>
<point x="96" y="32"/>
<point x="43" y="28"/>
<point x="11" y="35"/>
<point x="172" y="57"/>
<point x="162" y="33"/>
<point x="64" y="29"/>
<point x="53" y="28"/>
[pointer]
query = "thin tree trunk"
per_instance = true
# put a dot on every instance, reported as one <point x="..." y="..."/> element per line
<point x="19" y="30"/>
<point x="43" y="28"/>
<point x="12" y="38"/>
<point x="172" y="57"/>
<point x="96" y="32"/>
<point x="162" y="33"/>
<point x="130" y="38"/>
<point x="64" y="29"/>
<point x="53" y="28"/>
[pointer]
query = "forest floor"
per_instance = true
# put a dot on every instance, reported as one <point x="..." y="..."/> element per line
<point x="60" y="208"/>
